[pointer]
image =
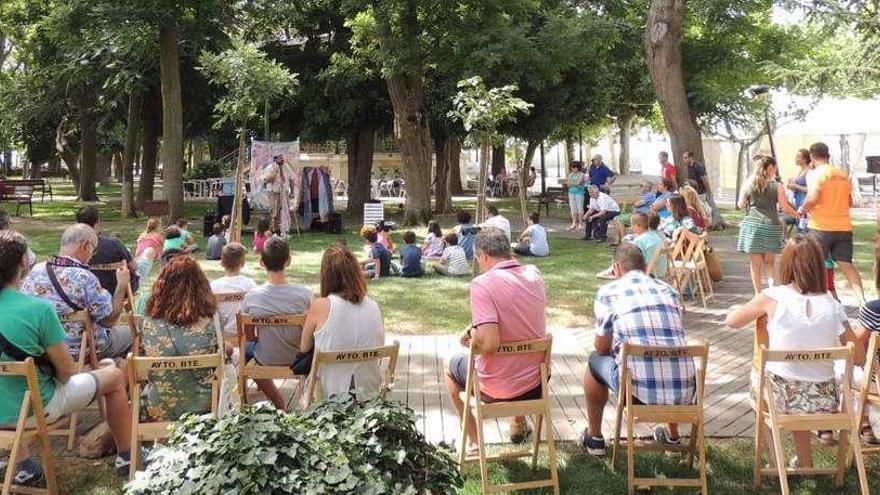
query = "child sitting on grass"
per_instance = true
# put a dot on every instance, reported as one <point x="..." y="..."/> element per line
<point x="434" y="244"/>
<point x="378" y="263"/>
<point x="216" y="243"/>
<point x="410" y="256"/>
<point x="453" y="261"/>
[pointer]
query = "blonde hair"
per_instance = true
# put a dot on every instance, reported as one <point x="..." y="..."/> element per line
<point x="760" y="181"/>
<point x="152" y="227"/>
<point x="692" y="199"/>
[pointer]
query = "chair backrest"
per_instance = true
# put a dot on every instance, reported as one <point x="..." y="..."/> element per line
<point x="802" y="356"/>
<point x="662" y="251"/>
<point x="87" y="337"/>
<point x="107" y="267"/>
<point x="389" y="352"/>
<point x="373" y="212"/>
<point x="224" y="297"/>
<point x="520" y="347"/>
<point x="32" y="400"/>
<point x="698" y="351"/>
<point x="687" y="246"/>
<point x="248" y="325"/>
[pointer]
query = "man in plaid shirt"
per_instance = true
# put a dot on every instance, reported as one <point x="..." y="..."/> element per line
<point x="638" y="309"/>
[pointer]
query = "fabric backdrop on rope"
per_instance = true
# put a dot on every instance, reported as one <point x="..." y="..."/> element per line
<point x="262" y="153"/>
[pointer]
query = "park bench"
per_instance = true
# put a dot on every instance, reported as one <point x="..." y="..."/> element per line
<point x="43" y="185"/>
<point x="552" y="195"/>
<point x="20" y="195"/>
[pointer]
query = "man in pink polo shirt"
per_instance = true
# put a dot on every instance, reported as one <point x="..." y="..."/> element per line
<point x="507" y="305"/>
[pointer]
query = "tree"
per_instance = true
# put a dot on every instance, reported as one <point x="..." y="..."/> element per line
<point x="482" y="111"/>
<point x="664" y="37"/>
<point x="250" y="80"/>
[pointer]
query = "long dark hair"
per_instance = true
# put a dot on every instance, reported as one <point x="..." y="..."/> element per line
<point x="13" y="248"/>
<point x="677" y="206"/>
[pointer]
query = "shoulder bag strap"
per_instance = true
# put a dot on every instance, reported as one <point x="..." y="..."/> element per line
<point x="50" y="271"/>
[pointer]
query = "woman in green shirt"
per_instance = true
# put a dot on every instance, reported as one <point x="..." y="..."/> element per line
<point x="32" y="328"/>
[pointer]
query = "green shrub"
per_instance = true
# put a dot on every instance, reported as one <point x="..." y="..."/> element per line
<point x="339" y="446"/>
<point x="208" y="169"/>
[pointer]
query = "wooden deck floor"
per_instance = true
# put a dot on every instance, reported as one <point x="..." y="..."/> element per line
<point x="421" y="365"/>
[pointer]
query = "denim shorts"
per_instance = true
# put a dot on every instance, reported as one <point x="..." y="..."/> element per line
<point x="458" y="368"/>
<point x="605" y="370"/>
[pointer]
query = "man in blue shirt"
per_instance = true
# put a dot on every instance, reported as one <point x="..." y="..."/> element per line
<point x="646" y="198"/>
<point x="600" y="175"/>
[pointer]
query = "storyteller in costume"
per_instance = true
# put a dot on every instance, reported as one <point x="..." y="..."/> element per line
<point x="278" y="177"/>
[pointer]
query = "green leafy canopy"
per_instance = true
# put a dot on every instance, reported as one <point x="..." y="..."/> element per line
<point x="482" y="111"/>
<point x="249" y="78"/>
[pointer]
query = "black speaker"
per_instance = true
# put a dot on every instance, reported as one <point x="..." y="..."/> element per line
<point x="873" y="164"/>
<point x="224" y="207"/>
<point x="208" y="224"/>
<point x="334" y="226"/>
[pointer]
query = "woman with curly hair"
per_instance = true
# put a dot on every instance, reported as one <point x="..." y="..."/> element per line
<point x="179" y="321"/>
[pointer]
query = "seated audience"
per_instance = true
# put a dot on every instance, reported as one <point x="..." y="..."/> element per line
<point x="110" y="250"/>
<point x="433" y="245"/>
<point x="678" y="218"/>
<point x="645" y="236"/>
<point x="179" y="321"/>
<point x="232" y="260"/>
<point x="466" y="232"/>
<point x="174" y="239"/>
<point x="453" y="262"/>
<point x="695" y="207"/>
<point x="344" y="318"/>
<point x="150" y="245"/>
<point x="216" y="243"/>
<point x="508" y="303"/>
<point x="868" y="322"/>
<point x="602" y="209"/>
<point x="410" y="256"/>
<point x="189" y="240"/>
<point x="533" y="240"/>
<point x="32" y="329"/>
<point x="666" y="188"/>
<point x="276" y="346"/>
<point x="494" y="219"/>
<point x="379" y="262"/>
<point x="261" y="234"/>
<point x="383" y="234"/>
<point x="640" y="310"/>
<point x="66" y="282"/>
<point x="802" y="316"/>
<point x="647" y="196"/>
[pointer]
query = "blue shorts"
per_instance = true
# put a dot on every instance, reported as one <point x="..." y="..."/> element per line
<point x="605" y="370"/>
<point x="250" y="350"/>
<point x="458" y="368"/>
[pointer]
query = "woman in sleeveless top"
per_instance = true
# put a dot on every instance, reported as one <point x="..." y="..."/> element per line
<point x="760" y="232"/>
<point x="344" y="318"/>
<point x="801" y="316"/>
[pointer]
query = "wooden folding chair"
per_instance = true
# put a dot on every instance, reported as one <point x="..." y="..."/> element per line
<point x="473" y="403"/>
<point x="846" y="421"/>
<point x="689" y="263"/>
<point x="330" y="358"/>
<point x="248" y="331"/>
<point x="663" y="252"/>
<point x="869" y="392"/>
<point x="230" y="297"/>
<point x="88" y="357"/>
<point x="655" y="413"/>
<point x="112" y="267"/>
<point x="24" y="435"/>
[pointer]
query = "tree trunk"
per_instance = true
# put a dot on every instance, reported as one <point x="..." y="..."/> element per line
<point x="359" y="149"/>
<point x="152" y="128"/>
<point x="570" y="155"/>
<point x="624" y="123"/>
<point x="105" y="159"/>
<point x="741" y="159"/>
<point x="172" y="121"/>
<point x="129" y="152"/>
<point x="499" y="159"/>
<point x="89" y="159"/>
<point x="663" y="53"/>
<point x="485" y="158"/>
<point x="7" y="163"/>
<point x="445" y="147"/>
<point x="237" y="202"/>
<point x="414" y="140"/>
<point x="67" y="153"/>
<point x="455" y="186"/>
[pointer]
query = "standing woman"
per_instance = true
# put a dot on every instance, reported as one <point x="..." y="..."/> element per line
<point x="760" y="232"/>
<point x="798" y="185"/>
<point x="576" y="181"/>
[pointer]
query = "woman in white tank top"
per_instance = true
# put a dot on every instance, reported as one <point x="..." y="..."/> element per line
<point x="344" y="318"/>
<point x="801" y="315"/>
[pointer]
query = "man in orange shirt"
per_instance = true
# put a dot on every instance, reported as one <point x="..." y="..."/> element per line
<point x="829" y="198"/>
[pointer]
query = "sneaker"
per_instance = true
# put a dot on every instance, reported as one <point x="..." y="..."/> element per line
<point x="867" y="435"/>
<point x="123" y="461"/>
<point x="519" y="432"/>
<point x="826" y="437"/>
<point x="594" y="446"/>
<point x="661" y="437"/>
<point x="29" y="472"/>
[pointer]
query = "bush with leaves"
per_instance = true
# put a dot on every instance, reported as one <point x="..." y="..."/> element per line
<point x="379" y="437"/>
<point x="208" y="169"/>
<point x="258" y="451"/>
<point x="340" y="446"/>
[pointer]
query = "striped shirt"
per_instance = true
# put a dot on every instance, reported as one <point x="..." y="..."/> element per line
<point x="643" y="311"/>
<point x="456" y="259"/>
<point x="869" y="316"/>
